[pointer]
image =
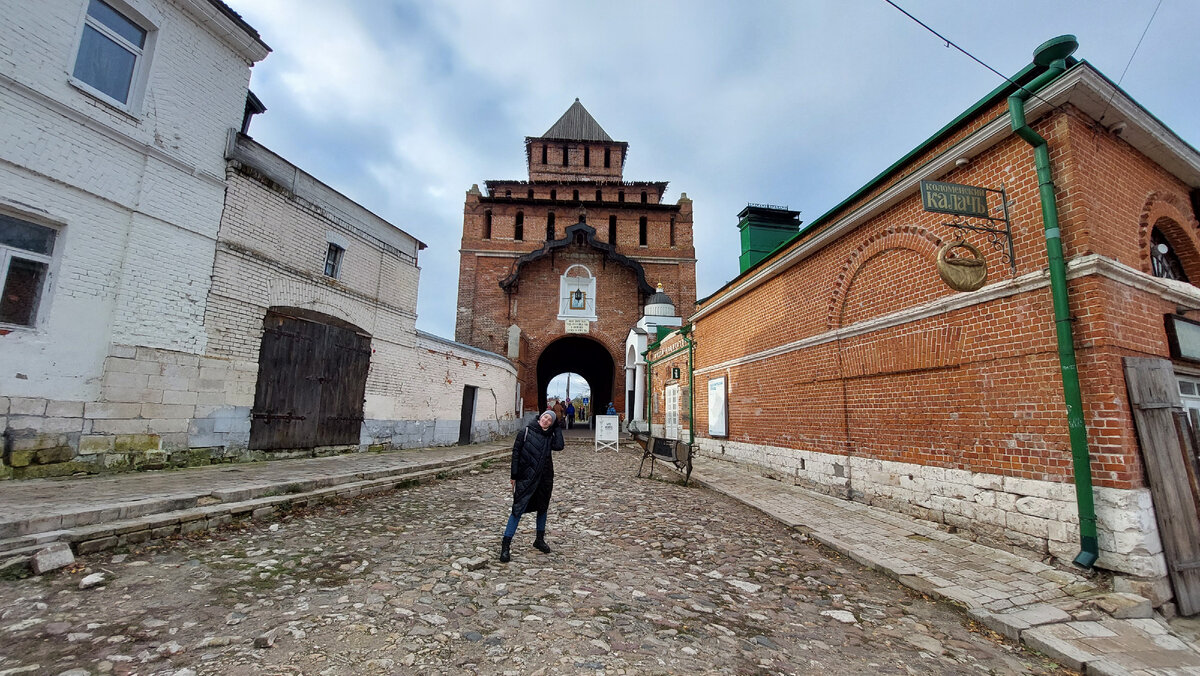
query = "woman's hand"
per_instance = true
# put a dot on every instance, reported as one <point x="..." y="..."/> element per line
<point x="514" y="483"/>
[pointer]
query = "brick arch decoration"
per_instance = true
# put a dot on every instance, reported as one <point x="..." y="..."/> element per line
<point x="1171" y="214"/>
<point x="911" y="237"/>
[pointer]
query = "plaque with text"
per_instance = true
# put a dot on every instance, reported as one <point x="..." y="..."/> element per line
<point x="954" y="198"/>
<point x="574" y="325"/>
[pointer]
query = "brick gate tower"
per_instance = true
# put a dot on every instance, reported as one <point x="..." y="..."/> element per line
<point x="556" y="270"/>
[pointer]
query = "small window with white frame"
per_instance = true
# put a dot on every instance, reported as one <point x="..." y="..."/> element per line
<point x="1189" y="390"/>
<point x="113" y="49"/>
<point x="333" y="260"/>
<point x="26" y="250"/>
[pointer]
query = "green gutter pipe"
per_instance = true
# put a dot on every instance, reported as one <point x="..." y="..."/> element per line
<point x="1053" y="54"/>
<point x="687" y="335"/>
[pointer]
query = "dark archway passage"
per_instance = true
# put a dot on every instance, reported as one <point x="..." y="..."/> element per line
<point x="576" y="354"/>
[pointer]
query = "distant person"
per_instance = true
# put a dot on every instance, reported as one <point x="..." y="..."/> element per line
<point x="570" y="414"/>
<point x="611" y="409"/>
<point x="532" y="478"/>
<point x="560" y="411"/>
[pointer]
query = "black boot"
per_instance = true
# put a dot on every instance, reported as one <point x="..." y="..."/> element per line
<point x="540" y="543"/>
<point x="504" y="544"/>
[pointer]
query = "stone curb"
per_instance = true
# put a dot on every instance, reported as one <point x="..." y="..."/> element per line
<point x="14" y="533"/>
<point x="1108" y="646"/>
<point x="93" y="538"/>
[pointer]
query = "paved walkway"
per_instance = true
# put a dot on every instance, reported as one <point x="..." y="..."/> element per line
<point x="39" y="511"/>
<point x="1051" y="610"/>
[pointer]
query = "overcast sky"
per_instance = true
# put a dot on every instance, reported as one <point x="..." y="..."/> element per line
<point x="403" y="105"/>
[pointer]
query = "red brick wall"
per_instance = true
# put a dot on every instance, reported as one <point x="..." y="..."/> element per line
<point x="977" y="387"/>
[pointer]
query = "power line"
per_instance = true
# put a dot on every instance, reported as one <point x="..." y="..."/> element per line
<point x="950" y="43"/>
<point x="1127" y="63"/>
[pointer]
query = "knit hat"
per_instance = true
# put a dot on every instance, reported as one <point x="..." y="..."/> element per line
<point x="550" y="413"/>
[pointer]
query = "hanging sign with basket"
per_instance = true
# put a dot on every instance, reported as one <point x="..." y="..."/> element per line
<point x="959" y="263"/>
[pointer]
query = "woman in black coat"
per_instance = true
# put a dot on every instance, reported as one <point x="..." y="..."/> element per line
<point x="532" y="478"/>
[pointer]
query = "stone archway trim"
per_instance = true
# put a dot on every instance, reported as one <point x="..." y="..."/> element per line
<point x="587" y="233"/>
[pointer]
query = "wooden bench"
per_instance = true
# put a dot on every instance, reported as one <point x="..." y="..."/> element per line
<point x="655" y="449"/>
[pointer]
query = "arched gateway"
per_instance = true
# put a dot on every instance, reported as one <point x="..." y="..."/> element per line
<point x="574" y="354"/>
<point x="556" y="270"/>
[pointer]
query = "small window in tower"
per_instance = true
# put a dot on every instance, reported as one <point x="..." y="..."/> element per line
<point x="550" y="225"/>
<point x="519" y="227"/>
<point x="333" y="260"/>
<point x="672" y="231"/>
<point x="620" y="195"/>
<point x="587" y="156"/>
<point x="508" y="193"/>
<point x="487" y="224"/>
<point x="643" y="197"/>
<point x="553" y="194"/>
<point x="531" y="193"/>
<point x="564" y="156"/>
<point x="598" y="196"/>
<point x="543" y="153"/>
<point x="607" y="158"/>
<point x="575" y="195"/>
<point x="612" y="229"/>
<point x="642" y="231"/>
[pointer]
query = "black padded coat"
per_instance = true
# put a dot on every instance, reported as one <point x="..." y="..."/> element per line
<point x="533" y="468"/>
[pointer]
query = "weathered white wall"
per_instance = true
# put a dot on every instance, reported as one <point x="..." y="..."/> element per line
<point x="136" y="192"/>
<point x="274" y="237"/>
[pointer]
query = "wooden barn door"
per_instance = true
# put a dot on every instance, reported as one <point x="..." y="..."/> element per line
<point x="312" y="378"/>
<point x="1162" y="427"/>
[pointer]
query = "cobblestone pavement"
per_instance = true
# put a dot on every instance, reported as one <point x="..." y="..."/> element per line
<point x="647" y="577"/>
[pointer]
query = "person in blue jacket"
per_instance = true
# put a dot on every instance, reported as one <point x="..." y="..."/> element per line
<point x="532" y="478"/>
<point x="611" y="409"/>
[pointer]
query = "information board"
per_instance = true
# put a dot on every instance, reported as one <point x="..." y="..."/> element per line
<point x="718" y="409"/>
<point x="608" y="432"/>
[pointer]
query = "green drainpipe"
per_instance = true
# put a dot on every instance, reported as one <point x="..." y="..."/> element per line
<point x="691" y="386"/>
<point x="1053" y="55"/>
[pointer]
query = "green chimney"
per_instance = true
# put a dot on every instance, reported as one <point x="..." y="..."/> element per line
<point x="764" y="227"/>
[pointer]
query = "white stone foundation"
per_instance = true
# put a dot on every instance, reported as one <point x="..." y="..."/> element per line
<point x="1041" y="516"/>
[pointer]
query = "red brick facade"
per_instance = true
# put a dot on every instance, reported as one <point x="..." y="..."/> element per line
<point x="847" y="346"/>
<point x="623" y="234"/>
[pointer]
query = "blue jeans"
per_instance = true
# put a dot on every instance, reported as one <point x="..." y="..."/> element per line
<point x="513" y="519"/>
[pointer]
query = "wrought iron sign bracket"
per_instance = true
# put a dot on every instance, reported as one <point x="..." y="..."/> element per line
<point x="998" y="230"/>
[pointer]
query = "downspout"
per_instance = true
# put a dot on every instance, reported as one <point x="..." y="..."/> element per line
<point x="1053" y="55"/>
<point x="687" y="336"/>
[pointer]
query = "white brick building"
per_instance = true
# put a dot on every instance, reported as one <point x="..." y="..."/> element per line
<point x="128" y="335"/>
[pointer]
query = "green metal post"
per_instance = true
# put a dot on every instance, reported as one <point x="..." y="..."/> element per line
<point x="1053" y="54"/>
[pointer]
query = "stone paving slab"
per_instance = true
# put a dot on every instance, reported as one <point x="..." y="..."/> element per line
<point x="1018" y="597"/>
<point x="35" y="506"/>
